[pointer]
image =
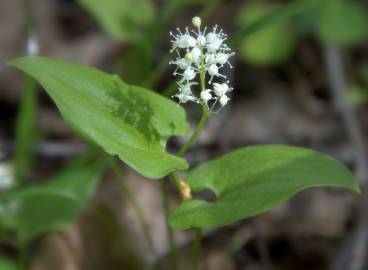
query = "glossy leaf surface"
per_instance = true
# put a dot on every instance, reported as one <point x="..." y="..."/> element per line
<point x="255" y="179"/>
<point x="125" y="120"/>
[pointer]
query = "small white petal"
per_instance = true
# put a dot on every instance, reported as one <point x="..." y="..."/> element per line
<point x="191" y="41"/>
<point x="224" y="100"/>
<point x="222" y="58"/>
<point x="206" y="95"/>
<point x="213" y="70"/>
<point x="189" y="74"/>
<point x="196" y="53"/>
<point x="220" y="89"/>
<point x="210" y="59"/>
<point x="201" y="40"/>
<point x="214" y="45"/>
<point x="184" y="98"/>
<point x="210" y="37"/>
<point x="181" y="63"/>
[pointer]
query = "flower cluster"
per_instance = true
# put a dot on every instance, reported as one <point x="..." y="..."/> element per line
<point x="205" y="54"/>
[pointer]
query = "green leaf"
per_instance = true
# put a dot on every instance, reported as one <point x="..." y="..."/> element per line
<point x="269" y="46"/>
<point x="273" y="17"/>
<point x="125" y="120"/>
<point x="7" y="264"/>
<point x="25" y="129"/>
<point x="254" y="179"/>
<point x="121" y="19"/>
<point x="32" y="211"/>
<point x="342" y="23"/>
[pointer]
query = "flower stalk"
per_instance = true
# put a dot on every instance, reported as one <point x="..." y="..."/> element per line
<point x="204" y="53"/>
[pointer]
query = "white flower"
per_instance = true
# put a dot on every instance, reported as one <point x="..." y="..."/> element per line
<point x="185" y="88"/>
<point x="185" y="93"/>
<point x="201" y="53"/>
<point x="214" y="45"/>
<point x="188" y="75"/>
<point x="213" y="70"/>
<point x="196" y="53"/>
<point x="182" y="63"/>
<point x="201" y="40"/>
<point x="206" y="96"/>
<point x="221" y="89"/>
<point x="183" y="40"/>
<point x="215" y="40"/>
<point x="224" y="100"/>
<point x="210" y="59"/>
<point x="223" y="58"/>
<point x="210" y="37"/>
<point x="184" y="98"/>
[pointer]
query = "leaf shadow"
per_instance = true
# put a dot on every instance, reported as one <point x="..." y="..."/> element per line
<point x="133" y="109"/>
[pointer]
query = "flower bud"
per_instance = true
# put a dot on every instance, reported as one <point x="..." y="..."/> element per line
<point x="189" y="56"/>
<point x="196" y="21"/>
<point x="186" y="193"/>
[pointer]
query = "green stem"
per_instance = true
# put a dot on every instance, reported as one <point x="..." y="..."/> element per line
<point x="26" y="115"/>
<point x="196" y="131"/>
<point x="136" y="207"/>
<point x="197" y="249"/>
<point x="24" y="129"/>
<point x="176" y="178"/>
<point x="205" y="114"/>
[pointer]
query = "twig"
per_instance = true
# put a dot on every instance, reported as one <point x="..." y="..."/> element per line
<point x="355" y="252"/>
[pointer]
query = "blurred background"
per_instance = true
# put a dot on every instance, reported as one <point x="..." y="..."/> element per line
<point x="300" y="77"/>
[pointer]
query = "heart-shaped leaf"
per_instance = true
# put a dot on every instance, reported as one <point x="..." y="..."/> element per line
<point x="125" y="120"/>
<point x="32" y="211"/>
<point x="254" y="179"/>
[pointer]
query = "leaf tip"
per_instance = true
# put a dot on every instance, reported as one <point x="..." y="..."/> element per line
<point x="356" y="188"/>
<point x="17" y="62"/>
